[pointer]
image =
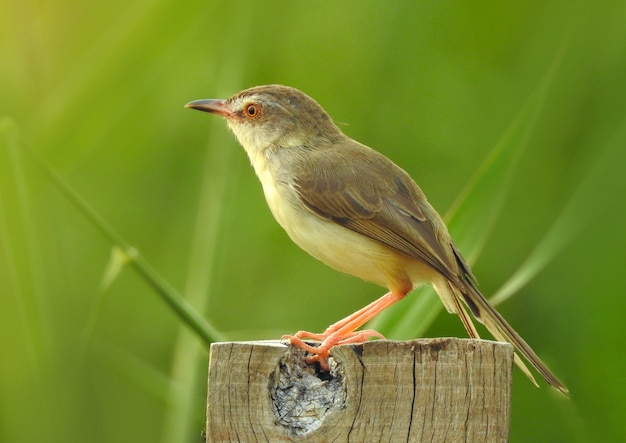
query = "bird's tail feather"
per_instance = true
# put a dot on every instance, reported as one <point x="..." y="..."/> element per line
<point x="501" y="330"/>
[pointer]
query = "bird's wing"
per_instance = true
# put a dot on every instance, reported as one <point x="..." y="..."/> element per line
<point x="369" y="194"/>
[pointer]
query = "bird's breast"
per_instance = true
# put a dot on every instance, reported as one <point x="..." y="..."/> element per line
<point x="336" y="246"/>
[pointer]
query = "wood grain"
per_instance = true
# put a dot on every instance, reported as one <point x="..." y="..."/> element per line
<point x="426" y="390"/>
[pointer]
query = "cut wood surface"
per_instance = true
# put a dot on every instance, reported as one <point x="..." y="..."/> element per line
<point x="426" y="390"/>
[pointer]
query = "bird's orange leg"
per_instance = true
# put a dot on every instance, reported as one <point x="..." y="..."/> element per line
<point x="343" y="332"/>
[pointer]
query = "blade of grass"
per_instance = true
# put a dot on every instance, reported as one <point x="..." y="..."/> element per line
<point x="117" y="261"/>
<point x="29" y="285"/>
<point x="204" y="329"/>
<point x="474" y="213"/>
<point x="24" y="281"/>
<point x="180" y="422"/>
<point x="583" y="206"/>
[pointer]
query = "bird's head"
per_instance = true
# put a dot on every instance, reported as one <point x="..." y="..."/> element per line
<point x="273" y="116"/>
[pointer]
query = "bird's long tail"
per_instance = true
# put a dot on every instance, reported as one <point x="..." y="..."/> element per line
<point x="469" y="296"/>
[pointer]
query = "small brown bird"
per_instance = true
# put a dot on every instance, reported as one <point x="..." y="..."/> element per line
<point x="355" y="210"/>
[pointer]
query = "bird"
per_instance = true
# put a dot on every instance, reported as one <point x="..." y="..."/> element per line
<point x="358" y="212"/>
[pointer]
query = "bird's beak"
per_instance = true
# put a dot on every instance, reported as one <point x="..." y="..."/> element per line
<point x="213" y="106"/>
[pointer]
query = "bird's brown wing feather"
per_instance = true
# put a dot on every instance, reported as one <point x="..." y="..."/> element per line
<point x="393" y="211"/>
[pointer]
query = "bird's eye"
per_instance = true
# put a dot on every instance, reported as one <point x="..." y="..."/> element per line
<point x="251" y="110"/>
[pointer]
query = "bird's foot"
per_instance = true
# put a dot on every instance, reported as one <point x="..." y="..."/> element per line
<point x="328" y="339"/>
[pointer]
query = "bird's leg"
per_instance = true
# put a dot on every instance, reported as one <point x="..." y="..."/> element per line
<point x="338" y="325"/>
<point x="298" y="337"/>
<point x="343" y="331"/>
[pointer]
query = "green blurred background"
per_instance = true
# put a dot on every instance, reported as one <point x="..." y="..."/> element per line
<point x="90" y="353"/>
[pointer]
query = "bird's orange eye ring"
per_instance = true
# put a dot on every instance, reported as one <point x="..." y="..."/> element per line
<point x="251" y="110"/>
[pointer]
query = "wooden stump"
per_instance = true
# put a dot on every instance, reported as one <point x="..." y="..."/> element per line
<point x="427" y="390"/>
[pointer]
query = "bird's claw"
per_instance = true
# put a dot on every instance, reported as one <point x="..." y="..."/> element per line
<point x="328" y="341"/>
